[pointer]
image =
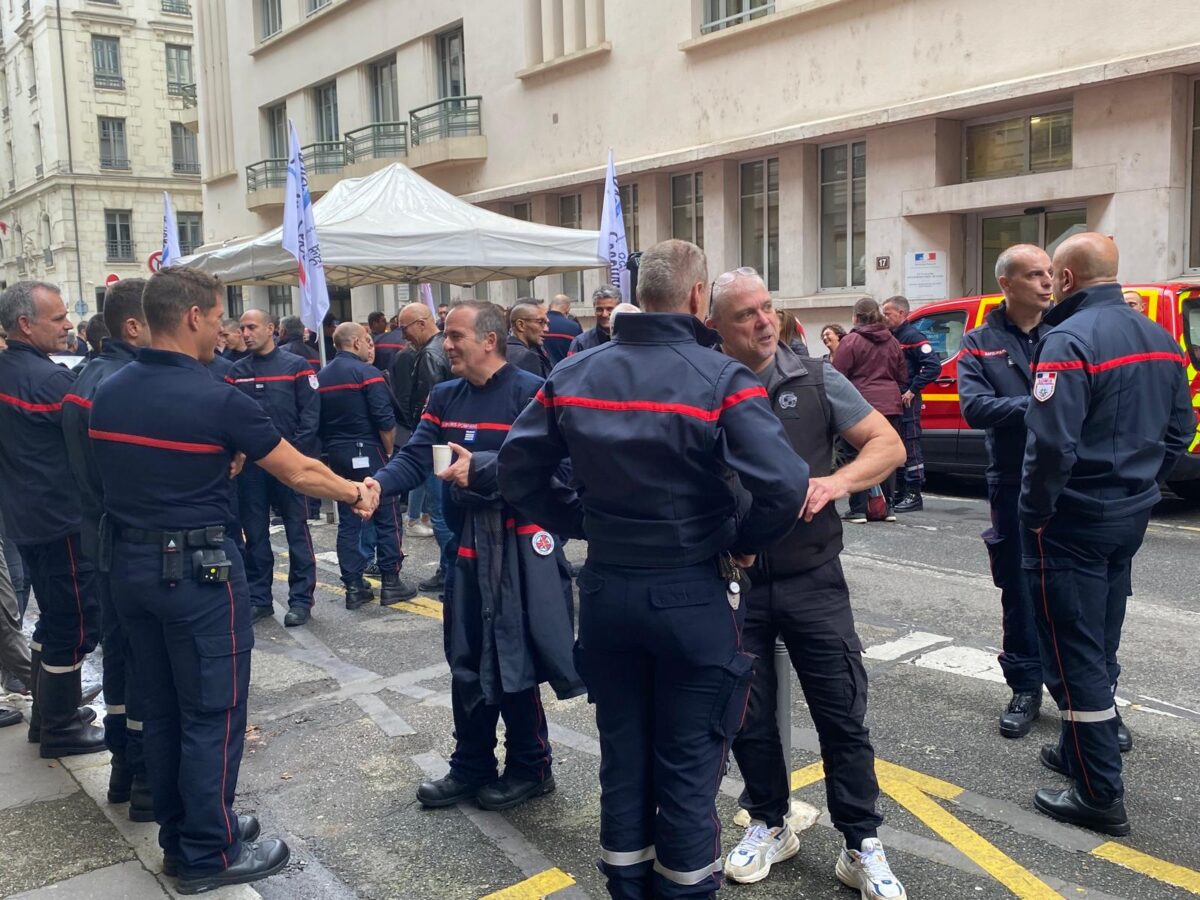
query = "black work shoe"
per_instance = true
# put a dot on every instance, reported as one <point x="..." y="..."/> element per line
<point x="247" y="827"/>
<point x="297" y="615"/>
<point x="856" y="518"/>
<point x="257" y="861"/>
<point x="393" y="590"/>
<point x="1067" y="806"/>
<point x="1023" y="710"/>
<point x="446" y="791"/>
<point x="1053" y="760"/>
<point x="86" y="714"/>
<point x="505" y="792"/>
<point x="141" y="801"/>
<point x="434" y="582"/>
<point x="261" y="612"/>
<point x="120" y="781"/>
<point x="10" y="716"/>
<point x="1124" y="738"/>
<point x="358" y="595"/>
<point x="910" y="502"/>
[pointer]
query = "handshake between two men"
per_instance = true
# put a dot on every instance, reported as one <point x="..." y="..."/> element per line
<point x="371" y="492"/>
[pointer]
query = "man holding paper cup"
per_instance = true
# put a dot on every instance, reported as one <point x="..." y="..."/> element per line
<point x="504" y="635"/>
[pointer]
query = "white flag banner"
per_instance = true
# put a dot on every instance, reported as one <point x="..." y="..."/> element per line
<point x="613" y="245"/>
<point x="425" y="289"/>
<point x="170" y="244"/>
<point x="300" y="238"/>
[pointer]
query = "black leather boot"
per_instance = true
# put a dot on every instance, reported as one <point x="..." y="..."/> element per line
<point x="297" y="615"/>
<point x="1053" y="760"/>
<point x="1023" y="710"/>
<point x="35" y="712"/>
<point x="120" y="780"/>
<point x="445" y="791"/>
<point x="358" y="594"/>
<point x="1124" y="738"/>
<point x="141" y="800"/>
<point x="257" y="861"/>
<point x="1067" y="806"/>
<point x="248" y="828"/>
<point x="507" y="792"/>
<point x="63" y="734"/>
<point x="394" y="590"/>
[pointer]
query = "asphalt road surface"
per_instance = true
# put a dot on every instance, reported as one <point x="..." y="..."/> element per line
<point x="350" y="713"/>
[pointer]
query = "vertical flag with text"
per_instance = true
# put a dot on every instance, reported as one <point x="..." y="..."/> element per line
<point x="300" y="238"/>
<point x="613" y="245"/>
<point x="170" y="242"/>
<point x="425" y="289"/>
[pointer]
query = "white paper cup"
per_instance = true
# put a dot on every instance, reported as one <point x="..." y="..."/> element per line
<point x="441" y="457"/>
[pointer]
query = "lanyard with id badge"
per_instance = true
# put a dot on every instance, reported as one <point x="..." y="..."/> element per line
<point x="360" y="460"/>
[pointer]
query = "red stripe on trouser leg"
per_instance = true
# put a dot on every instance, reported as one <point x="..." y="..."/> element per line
<point x="228" y="714"/>
<point x="1061" y="672"/>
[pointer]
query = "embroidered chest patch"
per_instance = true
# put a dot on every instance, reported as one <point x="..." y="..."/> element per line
<point x="1043" y="386"/>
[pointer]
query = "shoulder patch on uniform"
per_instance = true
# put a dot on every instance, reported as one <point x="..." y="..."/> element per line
<point x="1043" y="386"/>
<point x="926" y="348"/>
<point x="543" y="543"/>
<point x="313" y="383"/>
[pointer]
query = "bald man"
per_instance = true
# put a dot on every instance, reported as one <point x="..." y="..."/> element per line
<point x="527" y="323"/>
<point x="286" y="387"/>
<point x="1110" y="415"/>
<point x="561" y="331"/>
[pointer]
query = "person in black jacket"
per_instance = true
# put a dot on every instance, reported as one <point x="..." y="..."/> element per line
<point x="527" y="323"/>
<point x="1111" y="413"/>
<point x="994" y="384"/>
<point x="923" y="367"/>
<point x="291" y="339"/>
<point x="798" y="592"/>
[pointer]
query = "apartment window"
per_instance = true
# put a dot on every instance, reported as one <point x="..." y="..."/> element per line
<point x="385" y="94"/>
<point x="191" y="231"/>
<point x="38" y="169"/>
<point x="570" y="215"/>
<point x="313" y="5"/>
<point x="843" y="215"/>
<point x="452" y="72"/>
<point x="279" y="300"/>
<point x="185" y="159"/>
<point x="277" y="131"/>
<point x="234" y="304"/>
<point x="118" y="232"/>
<point x="720" y="14"/>
<point x="106" y="62"/>
<point x="760" y="218"/>
<point x="629" y="212"/>
<point x="270" y="18"/>
<point x="1019" y="145"/>
<point x="179" y="69"/>
<point x="114" y="152"/>
<point x="325" y="101"/>
<point x="524" y="212"/>
<point x="1194" y="222"/>
<point x="687" y="208"/>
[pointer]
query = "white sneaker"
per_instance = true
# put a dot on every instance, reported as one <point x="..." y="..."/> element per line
<point x="868" y="871"/>
<point x="751" y="860"/>
<point x="416" y="528"/>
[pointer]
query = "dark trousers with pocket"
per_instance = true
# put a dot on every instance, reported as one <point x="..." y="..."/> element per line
<point x="258" y="492"/>
<point x="527" y="754"/>
<point x="191" y="645"/>
<point x="811" y="613"/>
<point x="68" y="624"/>
<point x="352" y="558"/>
<point x="660" y="651"/>
<point x="1079" y="574"/>
<point x="1021" y="655"/>
<point x="914" y="455"/>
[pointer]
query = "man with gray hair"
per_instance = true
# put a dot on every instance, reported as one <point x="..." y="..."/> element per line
<point x="42" y="514"/>
<point x="604" y="300"/>
<point x="653" y="422"/>
<point x="291" y="339"/>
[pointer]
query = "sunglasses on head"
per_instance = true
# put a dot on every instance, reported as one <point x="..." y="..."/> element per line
<point x="728" y="278"/>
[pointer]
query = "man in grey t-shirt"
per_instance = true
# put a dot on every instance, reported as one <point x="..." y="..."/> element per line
<point x="799" y="593"/>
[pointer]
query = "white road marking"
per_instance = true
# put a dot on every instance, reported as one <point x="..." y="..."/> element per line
<point x="969" y="661"/>
<point x="329" y="556"/>
<point x="1172" y="705"/>
<point x="910" y="643"/>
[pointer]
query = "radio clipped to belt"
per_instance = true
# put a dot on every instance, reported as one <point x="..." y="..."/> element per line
<point x="209" y="563"/>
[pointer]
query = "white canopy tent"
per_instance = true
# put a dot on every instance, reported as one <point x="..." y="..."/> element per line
<point x="394" y="227"/>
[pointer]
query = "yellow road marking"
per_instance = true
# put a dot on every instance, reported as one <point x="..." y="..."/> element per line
<point x="535" y="888"/>
<point x="986" y="855"/>
<point x="1158" y="869"/>
<point x="420" y="606"/>
<point x="808" y="775"/>
<point x="927" y="783"/>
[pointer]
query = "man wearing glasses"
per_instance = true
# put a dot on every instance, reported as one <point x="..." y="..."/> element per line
<point x="527" y="324"/>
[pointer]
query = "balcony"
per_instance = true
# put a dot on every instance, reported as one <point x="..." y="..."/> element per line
<point x="180" y="89"/>
<point x="109" y="82"/>
<point x="324" y="158"/>
<point x="447" y="132"/>
<point x="119" y="251"/>
<point x="114" y="162"/>
<point x="189" y="116"/>
<point x="265" y="182"/>
<point x="178" y="7"/>
<point x="371" y="148"/>
<point x="755" y="11"/>
<point x="185" y="167"/>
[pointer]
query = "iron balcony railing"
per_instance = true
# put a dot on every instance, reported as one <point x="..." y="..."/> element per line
<point x="446" y="118"/>
<point x="266" y="173"/>
<point x="114" y="162"/>
<point x="737" y="18"/>
<point x="324" y="157"/>
<point x="186" y="167"/>
<point x="110" y="82"/>
<point x="189" y="96"/>
<point x="119" y="250"/>
<point x="382" y="140"/>
<point x="178" y="88"/>
<point x="176" y="6"/>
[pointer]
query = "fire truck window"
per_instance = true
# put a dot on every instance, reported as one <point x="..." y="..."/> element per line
<point x="944" y="331"/>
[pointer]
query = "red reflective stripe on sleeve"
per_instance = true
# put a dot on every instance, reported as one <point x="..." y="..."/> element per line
<point x="157" y="443"/>
<point x="1093" y="368"/>
<point x="565" y="337"/>
<point x="30" y="407"/>
<point x="352" y="386"/>
<point x="974" y="352"/>
<point x="430" y="417"/>
<point x="77" y="400"/>
<point x="477" y="426"/>
<point x="746" y="394"/>
<point x="540" y="396"/>
<point x="467" y="553"/>
<point x="705" y="415"/>
<point x="913" y="346"/>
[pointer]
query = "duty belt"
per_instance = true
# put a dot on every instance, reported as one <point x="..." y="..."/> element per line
<point x="196" y="538"/>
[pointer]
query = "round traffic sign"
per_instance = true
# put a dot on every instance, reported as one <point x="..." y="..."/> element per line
<point x="81" y="308"/>
<point x="154" y="261"/>
<point x="112" y="279"/>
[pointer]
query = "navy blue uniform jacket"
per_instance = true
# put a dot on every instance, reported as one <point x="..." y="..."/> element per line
<point x="557" y="339"/>
<point x="1111" y="411"/>
<point x="355" y="402"/>
<point x="38" y="500"/>
<point x="593" y="337"/>
<point x="994" y="381"/>
<point x="652" y="423"/>
<point x="387" y="345"/>
<point x="923" y="364"/>
<point x="285" y="386"/>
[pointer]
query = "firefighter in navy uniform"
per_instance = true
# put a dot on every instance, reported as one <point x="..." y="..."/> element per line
<point x="474" y="411"/>
<point x="923" y="367"/>
<point x="604" y="300"/>
<point x="653" y="422"/>
<point x="994" y="383"/>
<point x="42" y="516"/>
<point x="167" y="438"/>
<point x="1110" y="415"/>
<point x="285" y="386"/>
<point x="126" y="324"/>
<point x="357" y="428"/>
